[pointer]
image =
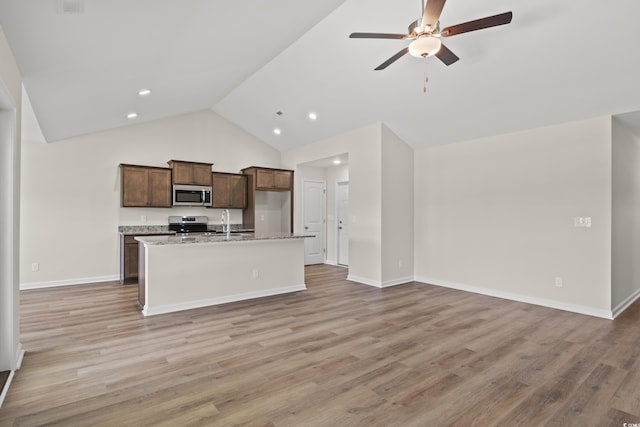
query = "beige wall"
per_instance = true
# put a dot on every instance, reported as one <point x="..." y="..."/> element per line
<point x="71" y="190"/>
<point x="365" y="239"/>
<point x="495" y="215"/>
<point x="397" y="209"/>
<point x="625" y="283"/>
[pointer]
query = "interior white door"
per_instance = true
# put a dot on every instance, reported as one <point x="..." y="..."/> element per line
<point x="315" y="221"/>
<point x="343" y="223"/>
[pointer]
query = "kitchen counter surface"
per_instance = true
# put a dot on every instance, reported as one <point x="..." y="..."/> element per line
<point x="141" y="230"/>
<point x="136" y="230"/>
<point x="217" y="238"/>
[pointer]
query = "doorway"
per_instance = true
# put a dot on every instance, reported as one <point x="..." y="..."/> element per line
<point x="314" y="220"/>
<point x="342" y="203"/>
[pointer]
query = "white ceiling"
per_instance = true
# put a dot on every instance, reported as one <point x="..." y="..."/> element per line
<point x="556" y="62"/>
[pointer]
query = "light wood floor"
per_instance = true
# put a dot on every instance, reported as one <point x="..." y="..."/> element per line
<point x="338" y="354"/>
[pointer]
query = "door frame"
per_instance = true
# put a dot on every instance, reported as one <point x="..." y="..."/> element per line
<point x="337" y="213"/>
<point x="324" y="208"/>
<point x="10" y="348"/>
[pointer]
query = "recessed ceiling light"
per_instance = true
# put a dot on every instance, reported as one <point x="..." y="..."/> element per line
<point x="144" y="92"/>
<point x="313" y="116"/>
<point x="337" y="162"/>
<point x="277" y="131"/>
<point x="132" y="115"/>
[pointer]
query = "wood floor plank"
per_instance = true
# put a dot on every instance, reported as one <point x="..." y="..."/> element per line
<point x="339" y="353"/>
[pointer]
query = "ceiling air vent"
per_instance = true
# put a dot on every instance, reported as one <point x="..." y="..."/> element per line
<point x="66" y="7"/>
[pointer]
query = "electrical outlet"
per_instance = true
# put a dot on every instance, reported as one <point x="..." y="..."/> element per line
<point x="256" y="273"/>
<point x="400" y="263"/>
<point x="143" y="218"/>
<point x="582" y="221"/>
<point x="558" y="282"/>
<point x="35" y="266"/>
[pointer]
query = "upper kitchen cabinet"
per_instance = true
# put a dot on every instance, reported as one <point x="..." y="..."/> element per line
<point x="191" y="173"/>
<point x="269" y="199"/>
<point x="229" y="190"/>
<point x="268" y="179"/>
<point x="145" y="186"/>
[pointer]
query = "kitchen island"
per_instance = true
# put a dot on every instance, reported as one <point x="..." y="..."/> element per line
<point x="184" y="272"/>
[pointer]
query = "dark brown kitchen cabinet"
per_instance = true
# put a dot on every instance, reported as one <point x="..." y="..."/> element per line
<point x="145" y="186"/>
<point x="273" y="179"/>
<point x="229" y="190"/>
<point x="191" y="173"/>
<point x="263" y="181"/>
<point x="129" y="257"/>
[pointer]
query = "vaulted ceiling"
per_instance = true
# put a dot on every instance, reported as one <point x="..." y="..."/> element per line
<point x="247" y="61"/>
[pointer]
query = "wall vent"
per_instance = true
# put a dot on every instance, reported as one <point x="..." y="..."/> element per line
<point x="69" y="7"/>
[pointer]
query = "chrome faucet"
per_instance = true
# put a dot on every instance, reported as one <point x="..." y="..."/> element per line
<point x="225" y="215"/>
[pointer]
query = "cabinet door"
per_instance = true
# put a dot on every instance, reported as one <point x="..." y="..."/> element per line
<point x="201" y="174"/>
<point x="264" y="178"/>
<point x="134" y="186"/>
<point x="189" y="173"/>
<point x="282" y="180"/>
<point x="131" y="260"/>
<point x="160" y="188"/>
<point x="221" y="193"/>
<point x="238" y="190"/>
<point x="182" y="173"/>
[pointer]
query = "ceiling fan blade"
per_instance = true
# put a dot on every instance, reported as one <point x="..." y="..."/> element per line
<point x="446" y="56"/>
<point x="393" y="59"/>
<point x="478" y="24"/>
<point x="377" y="36"/>
<point x="432" y="11"/>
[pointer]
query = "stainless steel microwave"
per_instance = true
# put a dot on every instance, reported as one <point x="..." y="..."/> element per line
<point x="192" y="195"/>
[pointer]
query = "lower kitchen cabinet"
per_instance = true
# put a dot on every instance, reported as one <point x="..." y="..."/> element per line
<point x="129" y="257"/>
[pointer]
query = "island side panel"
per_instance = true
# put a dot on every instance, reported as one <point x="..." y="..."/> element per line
<point x="142" y="277"/>
<point x="184" y="276"/>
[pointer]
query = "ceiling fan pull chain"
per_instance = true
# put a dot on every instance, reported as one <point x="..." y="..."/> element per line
<point x="426" y="80"/>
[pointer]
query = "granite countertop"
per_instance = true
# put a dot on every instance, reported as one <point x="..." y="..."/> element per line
<point x="219" y="238"/>
<point x="141" y="230"/>
<point x="144" y="229"/>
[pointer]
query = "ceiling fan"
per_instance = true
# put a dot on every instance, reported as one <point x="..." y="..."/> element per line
<point x="426" y="33"/>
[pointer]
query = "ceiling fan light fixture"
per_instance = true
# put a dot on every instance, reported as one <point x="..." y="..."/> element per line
<point x="425" y="46"/>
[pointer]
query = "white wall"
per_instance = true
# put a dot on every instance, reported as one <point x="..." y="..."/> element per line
<point x="71" y="190"/>
<point x="625" y="283"/>
<point x="495" y="215"/>
<point x="10" y="119"/>
<point x="365" y="239"/>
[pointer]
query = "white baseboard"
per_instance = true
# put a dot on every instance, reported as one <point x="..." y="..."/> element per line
<point x="378" y="283"/>
<point x="68" y="282"/>
<point x="170" y="308"/>
<point x="364" y="281"/>
<point x="5" y="389"/>
<point x="331" y="262"/>
<point x="626" y="303"/>
<point x="589" y="311"/>
<point x="396" y="282"/>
